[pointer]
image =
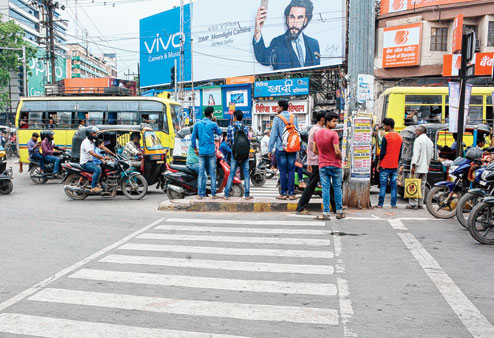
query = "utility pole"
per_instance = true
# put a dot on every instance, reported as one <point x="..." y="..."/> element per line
<point x="361" y="45"/>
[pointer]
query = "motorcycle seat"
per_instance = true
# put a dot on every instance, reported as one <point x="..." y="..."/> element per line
<point x="183" y="168"/>
<point x="76" y="166"/>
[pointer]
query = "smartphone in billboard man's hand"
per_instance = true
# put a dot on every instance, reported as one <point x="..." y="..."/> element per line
<point x="262" y="13"/>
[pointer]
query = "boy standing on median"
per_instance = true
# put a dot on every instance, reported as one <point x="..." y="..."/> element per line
<point x="327" y="146"/>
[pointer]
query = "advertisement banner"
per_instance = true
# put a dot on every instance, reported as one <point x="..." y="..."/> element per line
<point x="290" y="87"/>
<point x="361" y="149"/>
<point x="457" y="33"/>
<point x="395" y="6"/>
<point x="402" y="46"/>
<point x="240" y="80"/>
<point x="212" y="96"/>
<point x="365" y="94"/>
<point x="39" y="70"/>
<point x="160" y="40"/>
<point x="454" y="105"/>
<point x="234" y="38"/>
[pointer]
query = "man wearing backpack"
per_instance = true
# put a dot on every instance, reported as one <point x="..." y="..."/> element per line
<point x="285" y="138"/>
<point x="237" y="137"/>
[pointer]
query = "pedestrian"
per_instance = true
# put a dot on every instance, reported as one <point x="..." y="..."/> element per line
<point x="284" y="139"/>
<point x="238" y="140"/>
<point x="327" y="146"/>
<point x="204" y="146"/>
<point x="387" y="166"/>
<point x="423" y="150"/>
<point x="312" y="165"/>
<point x="265" y="143"/>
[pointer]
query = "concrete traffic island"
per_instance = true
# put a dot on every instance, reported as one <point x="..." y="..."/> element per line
<point x="235" y="205"/>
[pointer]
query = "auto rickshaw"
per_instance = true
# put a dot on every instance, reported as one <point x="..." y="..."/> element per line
<point x="6" y="185"/>
<point x="443" y="141"/>
<point x="115" y="138"/>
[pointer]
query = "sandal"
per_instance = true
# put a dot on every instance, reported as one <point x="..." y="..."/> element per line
<point x="304" y="212"/>
<point x="291" y="198"/>
<point x="283" y="198"/>
<point x="340" y="216"/>
<point x="323" y="218"/>
<point x="411" y="207"/>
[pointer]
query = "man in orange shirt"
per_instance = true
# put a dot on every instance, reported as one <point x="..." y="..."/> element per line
<point x="388" y="162"/>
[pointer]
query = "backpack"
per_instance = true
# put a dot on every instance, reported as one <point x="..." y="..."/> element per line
<point x="291" y="136"/>
<point x="241" y="144"/>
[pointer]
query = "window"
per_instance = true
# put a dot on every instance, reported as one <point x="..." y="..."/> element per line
<point x="439" y="39"/>
<point x="423" y="109"/>
<point x="127" y="118"/>
<point x="153" y="119"/>
<point x="490" y="34"/>
<point x="424" y="99"/>
<point x="177" y="117"/>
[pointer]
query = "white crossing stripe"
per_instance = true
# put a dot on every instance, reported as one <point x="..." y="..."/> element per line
<point x="228" y="251"/>
<point x="191" y="307"/>
<point x="243" y="222"/>
<point x="235" y="239"/>
<point x="321" y="289"/>
<point x="244" y="230"/>
<point x="64" y="328"/>
<point x="220" y="265"/>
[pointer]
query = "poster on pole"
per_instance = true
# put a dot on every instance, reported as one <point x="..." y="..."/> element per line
<point x="454" y="104"/>
<point x="361" y="149"/>
<point x="365" y="91"/>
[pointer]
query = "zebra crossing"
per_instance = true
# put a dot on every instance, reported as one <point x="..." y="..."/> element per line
<point x="270" y="189"/>
<point x="193" y="278"/>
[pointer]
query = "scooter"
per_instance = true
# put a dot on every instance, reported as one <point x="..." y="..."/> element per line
<point x="178" y="181"/>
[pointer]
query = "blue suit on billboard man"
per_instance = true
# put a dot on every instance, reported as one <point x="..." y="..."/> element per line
<point x="204" y="146"/>
<point x="293" y="49"/>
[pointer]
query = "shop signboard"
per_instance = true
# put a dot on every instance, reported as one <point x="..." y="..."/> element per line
<point x="288" y="87"/>
<point x="457" y="33"/>
<point x="402" y="46"/>
<point x="240" y="80"/>
<point x="396" y="6"/>
<point x="483" y="64"/>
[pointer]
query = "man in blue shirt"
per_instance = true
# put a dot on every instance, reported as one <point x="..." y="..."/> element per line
<point x="285" y="160"/>
<point x="33" y="147"/>
<point x="204" y="131"/>
<point x="244" y="164"/>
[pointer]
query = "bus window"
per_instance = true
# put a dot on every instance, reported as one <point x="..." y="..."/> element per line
<point x="153" y="119"/>
<point x="475" y="115"/>
<point x="151" y="106"/>
<point x="423" y="99"/>
<point x="164" y="115"/>
<point x="123" y="106"/>
<point x="95" y="118"/>
<point x="422" y="114"/>
<point x="177" y="117"/>
<point x="94" y="106"/>
<point x="35" y="120"/>
<point x="489" y="115"/>
<point x="65" y="120"/>
<point x="127" y="118"/>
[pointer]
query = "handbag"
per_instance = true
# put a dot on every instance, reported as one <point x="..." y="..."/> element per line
<point x="413" y="188"/>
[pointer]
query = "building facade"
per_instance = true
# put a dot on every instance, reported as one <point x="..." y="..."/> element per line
<point x="412" y="38"/>
<point x="83" y="64"/>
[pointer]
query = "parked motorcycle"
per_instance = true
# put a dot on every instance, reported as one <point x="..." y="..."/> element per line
<point x="6" y="185"/>
<point x="442" y="199"/>
<point x="179" y="181"/>
<point x="116" y="174"/>
<point x="481" y="221"/>
<point x="484" y="181"/>
<point x="41" y="178"/>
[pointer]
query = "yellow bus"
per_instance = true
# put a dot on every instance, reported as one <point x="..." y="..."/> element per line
<point x="63" y="115"/>
<point x="414" y="105"/>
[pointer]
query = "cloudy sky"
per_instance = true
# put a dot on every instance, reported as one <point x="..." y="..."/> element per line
<point x="112" y="26"/>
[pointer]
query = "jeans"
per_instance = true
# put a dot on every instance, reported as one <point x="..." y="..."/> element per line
<point x="309" y="190"/>
<point x="383" y="181"/>
<point x="95" y="169"/>
<point x="194" y="167"/>
<point x="286" y="167"/>
<point x="38" y="157"/>
<point x="416" y="202"/>
<point x="300" y="174"/>
<point x="207" y="164"/>
<point x="55" y="160"/>
<point x="331" y="175"/>
<point x="234" y="165"/>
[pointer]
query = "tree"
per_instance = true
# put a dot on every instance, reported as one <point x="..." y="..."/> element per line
<point x="11" y="36"/>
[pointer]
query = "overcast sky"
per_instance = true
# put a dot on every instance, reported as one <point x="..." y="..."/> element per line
<point x="116" y="26"/>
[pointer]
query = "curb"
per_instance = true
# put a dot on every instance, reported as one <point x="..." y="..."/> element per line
<point x="232" y="205"/>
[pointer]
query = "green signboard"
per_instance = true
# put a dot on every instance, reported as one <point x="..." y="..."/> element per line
<point x="212" y="96"/>
<point x="39" y="70"/>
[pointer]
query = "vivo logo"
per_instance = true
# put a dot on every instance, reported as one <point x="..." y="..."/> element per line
<point x="159" y="44"/>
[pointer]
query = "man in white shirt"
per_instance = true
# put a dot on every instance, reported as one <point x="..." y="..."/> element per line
<point x="87" y="157"/>
<point x="265" y="143"/>
<point x="423" y="152"/>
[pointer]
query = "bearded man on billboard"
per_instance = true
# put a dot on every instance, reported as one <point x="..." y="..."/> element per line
<point x="293" y="49"/>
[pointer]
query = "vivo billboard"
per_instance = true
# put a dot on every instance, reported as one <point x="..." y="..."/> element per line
<point x="237" y="37"/>
<point x="290" y="87"/>
<point x="160" y="40"/>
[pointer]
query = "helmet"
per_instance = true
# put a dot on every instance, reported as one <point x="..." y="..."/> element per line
<point x="47" y="134"/>
<point x="90" y="131"/>
<point x="474" y="153"/>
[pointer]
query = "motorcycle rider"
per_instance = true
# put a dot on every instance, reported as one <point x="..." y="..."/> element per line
<point x="88" y="154"/>
<point x="50" y="155"/>
<point x="33" y="147"/>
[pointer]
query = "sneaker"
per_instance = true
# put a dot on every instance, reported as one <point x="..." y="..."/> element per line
<point x="96" y="190"/>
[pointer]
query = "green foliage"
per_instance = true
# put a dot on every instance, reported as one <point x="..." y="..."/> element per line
<point x="11" y="36"/>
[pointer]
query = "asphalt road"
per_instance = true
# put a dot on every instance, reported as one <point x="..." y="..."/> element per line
<point x="119" y="268"/>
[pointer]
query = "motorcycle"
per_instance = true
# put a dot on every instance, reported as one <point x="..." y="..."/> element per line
<point x="484" y="180"/>
<point x="6" y="185"/>
<point x="116" y="174"/>
<point x="267" y="164"/>
<point x="443" y="198"/>
<point x="41" y="178"/>
<point x="178" y="181"/>
<point x="481" y="220"/>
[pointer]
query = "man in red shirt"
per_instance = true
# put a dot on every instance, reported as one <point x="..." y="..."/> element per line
<point x="327" y="146"/>
<point x="387" y="167"/>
